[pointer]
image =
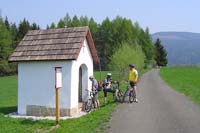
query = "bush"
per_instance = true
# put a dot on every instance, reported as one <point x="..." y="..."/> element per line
<point x="7" y="68"/>
<point x="127" y="54"/>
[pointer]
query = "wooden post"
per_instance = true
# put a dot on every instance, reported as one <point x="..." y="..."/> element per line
<point x="57" y="106"/>
<point x="58" y="85"/>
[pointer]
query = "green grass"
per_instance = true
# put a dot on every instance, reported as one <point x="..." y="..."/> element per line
<point x="96" y="121"/>
<point x="185" y="80"/>
<point x="8" y="94"/>
<point x="93" y="122"/>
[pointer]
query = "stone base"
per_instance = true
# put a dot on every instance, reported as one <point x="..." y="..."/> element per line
<point x="35" y="110"/>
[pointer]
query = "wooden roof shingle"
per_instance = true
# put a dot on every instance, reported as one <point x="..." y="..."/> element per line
<point x="53" y="44"/>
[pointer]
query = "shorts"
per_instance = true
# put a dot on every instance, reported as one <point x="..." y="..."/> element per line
<point x="95" y="97"/>
<point x="132" y="84"/>
<point x="107" y="90"/>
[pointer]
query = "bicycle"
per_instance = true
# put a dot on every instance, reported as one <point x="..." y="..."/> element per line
<point x="117" y="96"/>
<point x="131" y="96"/>
<point x="121" y="96"/>
<point x="89" y="104"/>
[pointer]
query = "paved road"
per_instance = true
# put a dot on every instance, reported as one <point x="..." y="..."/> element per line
<point x="160" y="110"/>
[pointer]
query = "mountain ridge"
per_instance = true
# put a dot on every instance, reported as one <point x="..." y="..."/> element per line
<point x="183" y="47"/>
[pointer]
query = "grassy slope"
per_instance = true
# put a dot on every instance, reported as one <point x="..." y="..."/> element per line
<point x="184" y="79"/>
<point x="93" y="122"/>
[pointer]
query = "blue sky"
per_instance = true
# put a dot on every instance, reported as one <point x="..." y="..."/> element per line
<point x="158" y="15"/>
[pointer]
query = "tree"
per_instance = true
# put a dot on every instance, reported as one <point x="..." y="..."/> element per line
<point x="52" y="26"/>
<point x="75" y="21"/>
<point x="161" y="54"/>
<point x="104" y="42"/>
<point x="144" y="39"/>
<point x="34" y="26"/>
<point x="5" y="49"/>
<point x="5" y="41"/>
<point x="24" y="27"/>
<point x="93" y="26"/>
<point x="61" y="24"/>
<point x="6" y="22"/>
<point x="47" y="27"/>
<point x="13" y="31"/>
<point x="67" y="20"/>
<point x="84" y="21"/>
<point x="127" y="54"/>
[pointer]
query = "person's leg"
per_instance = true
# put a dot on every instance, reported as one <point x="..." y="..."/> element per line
<point x="95" y="104"/>
<point x="105" y="96"/>
<point x="134" y="94"/>
<point x="94" y="101"/>
<point x="116" y="91"/>
<point x="98" y="104"/>
<point x="105" y="99"/>
<point x="97" y="100"/>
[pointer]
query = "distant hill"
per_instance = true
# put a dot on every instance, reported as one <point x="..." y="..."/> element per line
<point x="183" y="47"/>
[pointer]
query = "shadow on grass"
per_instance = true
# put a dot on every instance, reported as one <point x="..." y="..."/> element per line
<point x="103" y="105"/>
<point x="7" y="110"/>
<point x="39" y="122"/>
<point x="39" y="125"/>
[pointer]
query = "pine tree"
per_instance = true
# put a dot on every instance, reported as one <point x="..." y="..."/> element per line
<point x="47" y="27"/>
<point x="84" y="21"/>
<point x="13" y="31"/>
<point x="61" y="24"/>
<point x="93" y="26"/>
<point x="104" y="42"/>
<point x="5" y="49"/>
<point x="161" y="54"/>
<point x="75" y="21"/>
<point x="24" y="27"/>
<point x="34" y="26"/>
<point x="6" y="22"/>
<point x="67" y="20"/>
<point x="52" y="26"/>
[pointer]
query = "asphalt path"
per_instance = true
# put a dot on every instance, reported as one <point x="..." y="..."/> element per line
<point x="160" y="110"/>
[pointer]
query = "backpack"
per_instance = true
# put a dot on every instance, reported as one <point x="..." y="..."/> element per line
<point x="100" y="85"/>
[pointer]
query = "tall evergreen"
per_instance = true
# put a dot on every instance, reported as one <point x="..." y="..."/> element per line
<point x="14" y="31"/>
<point x="161" y="54"/>
<point x="84" y="21"/>
<point x="75" y="21"/>
<point x="7" y="23"/>
<point x="34" y="26"/>
<point x="67" y="20"/>
<point x="52" y="26"/>
<point x="61" y="24"/>
<point x="24" y="27"/>
<point x="104" y="42"/>
<point x="5" y="49"/>
<point x="93" y="26"/>
<point x="47" y="27"/>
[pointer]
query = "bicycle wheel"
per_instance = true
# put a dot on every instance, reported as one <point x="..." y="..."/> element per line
<point x="120" y="96"/>
<point x="88" y="105"/>
<point x="131" y="97"/>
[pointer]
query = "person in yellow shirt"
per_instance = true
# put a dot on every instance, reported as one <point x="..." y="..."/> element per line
<point x="133" y="79"/>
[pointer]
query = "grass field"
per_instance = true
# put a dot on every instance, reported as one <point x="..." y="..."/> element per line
<point x="185" y="80"/>
<point x="95" y="121"/>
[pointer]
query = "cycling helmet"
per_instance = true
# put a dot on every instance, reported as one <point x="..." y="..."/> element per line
<point x="109" y="74"/>
<point x="91" y="77"/>
<point x="131" y="65"/>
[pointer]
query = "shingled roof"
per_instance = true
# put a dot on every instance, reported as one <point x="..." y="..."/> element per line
<point x="53" y="44"/>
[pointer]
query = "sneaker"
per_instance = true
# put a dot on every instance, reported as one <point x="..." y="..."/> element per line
<point x="136" y="100"/>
